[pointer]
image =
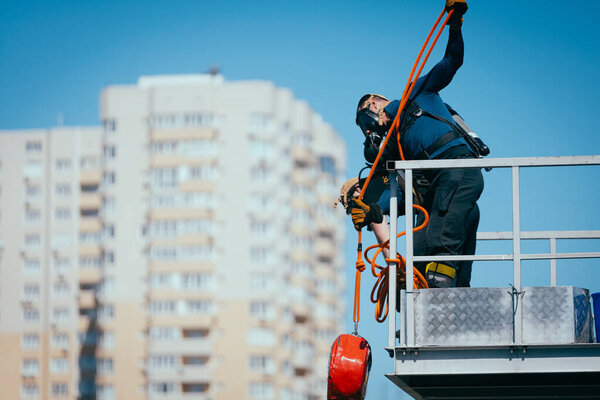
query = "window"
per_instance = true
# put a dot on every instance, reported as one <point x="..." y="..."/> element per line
<point x="105" y="392"/>
<point x="62" y="264"/>
<point x="262" y="310"/>
<point x="63" y="189"/>
<point x="197" y="253"/>
<point x="60" y="340"/>
<point x="106" y="286"/>
<point x="158" y="333"/>
<point x="163" y="253"/>
<point x="106" y="340"/>
<point x="163" y="229"/>
<point x="33" y="191"/>
<point x="262" y="390"/>
<point x="108" y="205"/>
<point x="106" y="312"/>
<point x="198" y="148"/>
<point x="327" y="164"/>
<point x="31" y="291"/>
<point x="199" y="199"/>
<point x="203" y="172"/>
<point x="261" y="254"/>
<point x="168" y="147"/>
<point x="90" y="261"/>
<point x="33" y="146"/>
<point x="197" y="226"/>
<point x="59" y="389"/>
<point x="163" y="307"/>
<point x="29" y="390"/>
<point x="162" y="361"/>
<point x="89" y="163"/>
<point x="31" y="315"/>
<point x="109" y="151"/>
<point x="261" y="149"/>
<point x="63" y="164"/>
<point x="197" y="281"/>
<point x="260" y="122"/>
<point x="31" y="266"/>
<point x="163" y="280"/>
<point x="108" y="178"/>
<point x="162" y="387"/>
<point x="62" y="213"/>
<point x="61" y="240"/>
<point x="61" y="289"/>
<point x="110" y="125"/>
<point x="198" y="306"/>
<point x="30" y="341"/>
<point x="32" y="168"/>
<point x="60" y="314"/>
<point x="32" y="215"/>
<point x="30" y="366"/>
<point x="262" y="364"/>
<point x="164" y="177"/>
<point x="260" y="337"/>
<point x="261" y="282"/>
<point x="105" y="366"/>
<point x="59" y="365"/>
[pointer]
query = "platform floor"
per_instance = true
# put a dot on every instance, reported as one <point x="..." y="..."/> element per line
<point x="532" y="372"/>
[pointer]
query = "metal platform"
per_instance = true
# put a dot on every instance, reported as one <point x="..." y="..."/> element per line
<point x="493" y="343"/>
<point x="499" y="372"/>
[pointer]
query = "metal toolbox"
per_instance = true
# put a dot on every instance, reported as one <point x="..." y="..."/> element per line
<point x="485" y="317"/>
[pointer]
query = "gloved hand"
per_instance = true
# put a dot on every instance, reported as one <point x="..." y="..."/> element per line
<point x="363" y="214"/>
<point x="460" y="8"/>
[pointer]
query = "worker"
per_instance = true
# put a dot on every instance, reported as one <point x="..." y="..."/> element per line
<point x="449" y="195"/>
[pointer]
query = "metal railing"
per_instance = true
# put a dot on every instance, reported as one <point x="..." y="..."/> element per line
<point x="406" y="168"/>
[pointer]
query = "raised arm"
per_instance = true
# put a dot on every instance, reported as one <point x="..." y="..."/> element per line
<point x="442" y="73"/>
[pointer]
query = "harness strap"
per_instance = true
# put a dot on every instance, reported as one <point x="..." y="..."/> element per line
<point x="444" y="140"/>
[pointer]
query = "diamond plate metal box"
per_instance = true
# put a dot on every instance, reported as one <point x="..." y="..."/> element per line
<point x="484" y="316"/>
<point x="556" y="315"/>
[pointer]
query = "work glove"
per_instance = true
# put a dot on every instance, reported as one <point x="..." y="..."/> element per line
<point x="460" y="8"/>
<point x="363" y="214"/>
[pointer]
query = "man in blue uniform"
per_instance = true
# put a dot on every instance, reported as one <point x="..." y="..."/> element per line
<point x="449" y="195"/>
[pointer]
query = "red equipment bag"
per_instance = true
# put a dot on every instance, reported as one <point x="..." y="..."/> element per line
<point x="349" y="366"/>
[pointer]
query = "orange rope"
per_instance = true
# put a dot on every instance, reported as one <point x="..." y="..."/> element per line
<point x="379" y="294"/>
<point x="382" y="281"/>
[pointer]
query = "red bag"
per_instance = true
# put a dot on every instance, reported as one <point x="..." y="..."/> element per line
<point x="349" y="366"/>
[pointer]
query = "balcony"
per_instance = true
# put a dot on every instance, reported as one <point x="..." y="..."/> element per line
<point x="187" y="346"/>
<point x="91" y="177"/>
<point x="90" y="201"/>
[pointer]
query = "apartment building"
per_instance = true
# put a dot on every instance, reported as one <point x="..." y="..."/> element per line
<point x="204" y="258"/>
<point x="50" y="237"/>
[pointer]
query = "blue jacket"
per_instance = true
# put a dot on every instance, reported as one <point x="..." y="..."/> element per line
<point x="425" y="131"/>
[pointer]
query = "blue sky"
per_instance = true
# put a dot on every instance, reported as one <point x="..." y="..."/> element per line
<point x="528" y="86"/>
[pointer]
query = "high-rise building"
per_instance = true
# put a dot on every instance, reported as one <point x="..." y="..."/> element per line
<point x="204" y="253"/>
<point x="50" y="254"/>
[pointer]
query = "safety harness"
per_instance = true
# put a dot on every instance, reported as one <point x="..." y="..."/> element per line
<point x="413" y="112"/>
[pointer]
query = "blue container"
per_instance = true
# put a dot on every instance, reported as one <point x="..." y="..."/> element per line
<point x="596" y="302"/>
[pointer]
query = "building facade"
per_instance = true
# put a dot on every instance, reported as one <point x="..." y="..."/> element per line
<point x="204" y="246"/>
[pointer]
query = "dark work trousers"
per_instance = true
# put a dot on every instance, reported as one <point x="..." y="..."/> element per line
<point x="451" y="200"/>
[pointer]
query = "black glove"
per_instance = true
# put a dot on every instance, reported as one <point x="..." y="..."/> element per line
<point x="363" y="214"/>
<point x="460" y="8"/>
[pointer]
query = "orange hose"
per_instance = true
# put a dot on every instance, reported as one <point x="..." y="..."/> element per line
<point x="381" y="286"/>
